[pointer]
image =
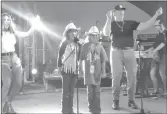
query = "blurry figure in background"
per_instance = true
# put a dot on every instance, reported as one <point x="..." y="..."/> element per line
<point x="11" y="64"/>
<point x="158" y="64"/>
<point x="143" y="76"/>
<point x="67" y="64"/>
<point x="93" y="57"/>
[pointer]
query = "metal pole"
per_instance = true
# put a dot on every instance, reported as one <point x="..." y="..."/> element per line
<point x="33" y="54"/>
<point x="43" y="42"/>
<point x="76" y="48"/>
<point x="33" y="50"/>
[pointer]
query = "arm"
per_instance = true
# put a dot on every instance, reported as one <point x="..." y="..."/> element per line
<point x="104" y="58"/>
<point x="61" y="50"/>
<point x="23" y="34"/>
<point x="160" y="43"/>
<point x="150" y="22"/>
<point x="158" y="47"/>
<point x="107" y="26"/>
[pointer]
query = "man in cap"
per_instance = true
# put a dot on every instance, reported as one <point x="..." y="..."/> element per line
<point x="123" y="53"/>
<point x="94" y="57"/>
<point x="67" y="64"/>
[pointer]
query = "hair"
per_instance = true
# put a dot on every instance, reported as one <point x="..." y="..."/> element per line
<point x="66" y="35"/>
<point x="11" y="26"/>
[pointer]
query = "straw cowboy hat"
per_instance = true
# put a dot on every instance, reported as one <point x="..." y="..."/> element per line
<point x="70" y="26"/>
<point x="93" y="30"/>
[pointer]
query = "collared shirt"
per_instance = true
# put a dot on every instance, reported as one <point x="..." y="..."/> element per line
<point x="8" y="42"/>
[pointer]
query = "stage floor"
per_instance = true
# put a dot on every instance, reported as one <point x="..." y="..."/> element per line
<point x="51" y="103"/>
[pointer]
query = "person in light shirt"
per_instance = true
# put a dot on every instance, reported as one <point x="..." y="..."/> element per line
<point x="11" y="64"/>
<point x="92" y="59"/>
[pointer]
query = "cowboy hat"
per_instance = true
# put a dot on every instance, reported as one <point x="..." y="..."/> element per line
<point x="70" y="26"/>
<point x="93" y="30"/>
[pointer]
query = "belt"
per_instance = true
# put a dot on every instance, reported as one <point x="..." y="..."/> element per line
<point x="8" y="54"/>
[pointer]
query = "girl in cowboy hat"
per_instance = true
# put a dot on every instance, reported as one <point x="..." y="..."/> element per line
<point x="94" y="57"/>
<point x="67" y="64"/>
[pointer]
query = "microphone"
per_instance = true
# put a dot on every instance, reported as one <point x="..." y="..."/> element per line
<point x="76" y="39"/>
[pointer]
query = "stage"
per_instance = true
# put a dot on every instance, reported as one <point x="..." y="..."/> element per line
<point x="40" y="101"/>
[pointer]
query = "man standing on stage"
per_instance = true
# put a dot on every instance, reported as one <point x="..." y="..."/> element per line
<point x="94" y="58"/>
<point x="67" y="61"/>
<point x="123" y="51"/>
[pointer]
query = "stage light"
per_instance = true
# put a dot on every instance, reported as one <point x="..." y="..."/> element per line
<point x="36" y="23"/>
<point x="34" y="71"/>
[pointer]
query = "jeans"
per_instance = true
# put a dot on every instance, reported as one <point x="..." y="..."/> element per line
<point x="145" y="73"/>
<point x="118" y="59"/>
<point x="93" y="93"/>
<point x="158" y="67"/>
<point x="11" y="77"/>
<point x="68" y="82"/>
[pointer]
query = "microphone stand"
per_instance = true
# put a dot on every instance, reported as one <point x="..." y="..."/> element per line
<point x="141" y="91"/>
<point x="76" y="52"/>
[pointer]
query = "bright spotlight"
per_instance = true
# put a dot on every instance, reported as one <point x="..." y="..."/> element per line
<point x="36" y="23"/>
<point x="34" y="71"/>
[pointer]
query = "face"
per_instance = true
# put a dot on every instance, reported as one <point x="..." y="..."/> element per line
<point x="160" y="28"/>
<point x="119" y="15"/>
<point x="94" y="38"/>
<point x="6" y="21"/>
<point x="71" y="34"/>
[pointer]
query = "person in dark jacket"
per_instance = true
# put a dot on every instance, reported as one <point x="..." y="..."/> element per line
<point x="159" y="60"/>
<point x="67" y="64"/>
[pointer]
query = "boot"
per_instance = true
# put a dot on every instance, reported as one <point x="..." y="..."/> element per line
<point x="131" y="103"/>
<point x="115" y="104"/>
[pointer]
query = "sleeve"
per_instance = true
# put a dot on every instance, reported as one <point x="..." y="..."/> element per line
<point x="134" y="24"/>
<point x="61" y="50"/>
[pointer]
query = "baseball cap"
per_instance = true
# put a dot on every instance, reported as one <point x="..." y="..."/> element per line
<point x="119" y="7"/>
